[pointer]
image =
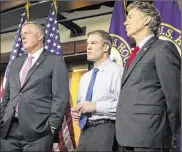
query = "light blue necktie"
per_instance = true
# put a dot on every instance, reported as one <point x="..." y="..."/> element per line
<point x="83" y="119"/>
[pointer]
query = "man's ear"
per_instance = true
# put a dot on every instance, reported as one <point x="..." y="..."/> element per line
<point x="40" y="36"/>
<point x="106" y="48"/>
<point x="147" y="20"/>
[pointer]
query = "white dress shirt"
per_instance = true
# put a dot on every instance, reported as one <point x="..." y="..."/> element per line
<point x="142" y="43"/>
<point x="106" y="89"/>
<point x="35" y="55"/>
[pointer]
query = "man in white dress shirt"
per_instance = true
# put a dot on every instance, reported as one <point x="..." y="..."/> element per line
<point x="98" y="96"/>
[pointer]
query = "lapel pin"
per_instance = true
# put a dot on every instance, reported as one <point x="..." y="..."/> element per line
<point x="37" y="63"/>
<point x="144" y="48"/>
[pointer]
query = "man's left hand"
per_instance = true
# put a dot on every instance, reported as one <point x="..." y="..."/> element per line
<point x="53" y="130"/>
<point x="86" y="107"/>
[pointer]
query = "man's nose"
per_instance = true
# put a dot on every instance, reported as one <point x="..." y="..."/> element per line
<point x="125" y="23"/>
<point x="88" y="47"/>
<point x="22" y="37"/>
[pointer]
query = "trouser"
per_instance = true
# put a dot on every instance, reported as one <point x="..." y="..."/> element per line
<point x="15" y="142"/>
<point x="99" y="137"/>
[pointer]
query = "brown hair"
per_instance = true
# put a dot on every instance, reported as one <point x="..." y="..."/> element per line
<point x="148" y="9"/>
<point x="105" y="36"/>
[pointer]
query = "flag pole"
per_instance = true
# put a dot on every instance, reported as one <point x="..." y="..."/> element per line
<point x="28" y="6"/>
<point x="180" y="4"/>
<point x="125" y="6"/>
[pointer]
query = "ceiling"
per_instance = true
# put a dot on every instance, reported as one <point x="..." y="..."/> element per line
<point x="12" y="10"/>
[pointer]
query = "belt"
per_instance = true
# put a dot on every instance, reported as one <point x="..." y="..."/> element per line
<point x="95" y="123"/>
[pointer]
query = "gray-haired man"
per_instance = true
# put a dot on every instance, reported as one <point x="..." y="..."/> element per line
<point x="36" y="95"/>
<point x="148" y="107"/>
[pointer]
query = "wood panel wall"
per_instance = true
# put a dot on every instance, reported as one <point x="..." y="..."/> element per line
<point x="69" y="49"/>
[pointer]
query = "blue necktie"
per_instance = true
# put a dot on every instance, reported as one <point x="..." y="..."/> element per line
<point x="83" y="119"/>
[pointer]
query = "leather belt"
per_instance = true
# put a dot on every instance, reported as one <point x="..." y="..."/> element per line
<point x="94" y="123"/>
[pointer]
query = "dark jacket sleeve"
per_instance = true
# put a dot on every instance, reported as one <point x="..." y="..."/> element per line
<point x="60" y="91"/>
<point x="168" y="65"/>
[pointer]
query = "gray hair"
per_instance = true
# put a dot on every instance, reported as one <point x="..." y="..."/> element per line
<point x="105" y="36"/>
<point x="149" y="10"/>
<point x="38" y="26"/>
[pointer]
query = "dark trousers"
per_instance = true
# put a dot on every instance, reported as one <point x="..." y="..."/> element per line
<point x="97" y="138"/>
<point x="132" y="149"/>
<point x="15" y="142"/>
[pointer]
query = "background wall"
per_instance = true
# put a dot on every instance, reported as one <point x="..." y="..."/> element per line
<point x="101" y="22"/>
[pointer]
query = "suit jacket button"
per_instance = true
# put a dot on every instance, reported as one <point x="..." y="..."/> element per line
<point x="20" y="93"/>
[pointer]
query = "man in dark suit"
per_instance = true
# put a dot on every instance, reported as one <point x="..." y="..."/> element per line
<point x="148" y="108"/>
<point x="35" y="97"/>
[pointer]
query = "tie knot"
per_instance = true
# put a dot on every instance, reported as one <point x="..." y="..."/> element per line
<point x="95" y="70"/>
<point x="136" y="49"/>
<point x="30" y="58"/>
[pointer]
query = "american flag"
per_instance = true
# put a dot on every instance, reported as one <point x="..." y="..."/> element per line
<point x="52" y="44"/>
<point x="17" y="51"/>
<point x="66" y="138"/>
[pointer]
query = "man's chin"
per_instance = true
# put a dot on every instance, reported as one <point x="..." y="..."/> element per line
<point x="128" y="34"/>
<point x="89" y="59"/>
<point x="25" y="47"/>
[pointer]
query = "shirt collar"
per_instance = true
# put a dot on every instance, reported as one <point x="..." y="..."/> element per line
<point x="145" y="40"/>
<point x="102" y="66"/>
<point x="37" y="53"/>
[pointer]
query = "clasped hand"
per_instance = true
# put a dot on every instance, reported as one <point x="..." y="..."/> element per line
<point x="82" y="108"/>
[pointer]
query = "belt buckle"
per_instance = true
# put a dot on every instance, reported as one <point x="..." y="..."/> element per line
<point x="99" y="122"/>
<point x="102" y="121"/>
<point x="92" y="123"/>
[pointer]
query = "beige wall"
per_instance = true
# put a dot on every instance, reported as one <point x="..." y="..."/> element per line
<point x="101" y="22"/>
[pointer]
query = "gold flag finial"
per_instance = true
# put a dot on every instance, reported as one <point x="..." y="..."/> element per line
<point x="27" y="6"/>
<point x="55" y="5"/>
<point x="125" y="6"/>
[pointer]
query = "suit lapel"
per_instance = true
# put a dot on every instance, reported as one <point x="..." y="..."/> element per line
<point x="141" y="53"/>
<point x="35" y="66"/>
<point x="125" y="70"/>
<point x="20" y="64"/>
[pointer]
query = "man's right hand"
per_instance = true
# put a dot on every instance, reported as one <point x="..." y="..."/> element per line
<point x="75" y="114"/>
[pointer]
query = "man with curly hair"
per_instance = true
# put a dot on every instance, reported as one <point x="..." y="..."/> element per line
<point x="148" y="108"/>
